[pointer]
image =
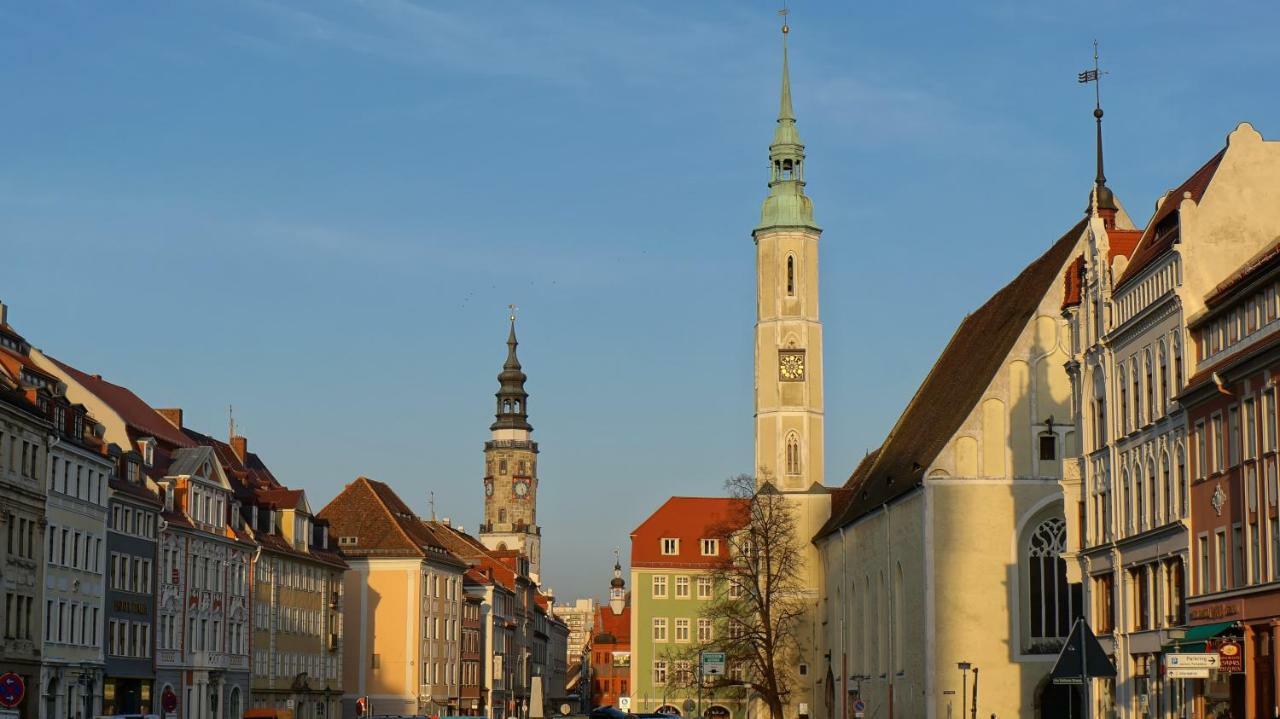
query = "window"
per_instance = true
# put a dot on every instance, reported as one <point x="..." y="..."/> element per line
<point x="659" y="586"/>
<point x="1052" y="602"/>
<point x="1250" y="430"/>
<point x="682" y="587"/>
<point x="1151" y="389"/>
<point x="1104" y="611"/>
<point x="1237" y="556"/>
<point x="791" y="276"/>
<point x="710" y="547"/>
<point x="704" y="630"/>
<point x="1141" y="598"/>
<point x="670" y="547"/>
<point x="1233" y="416"/>
<point x="659" y="672"/>
<point x="1183" y="487"/>
<point x="1218" y="443"/>
<point x="682" y="630"/>
<point x="659" y="629"/>
<point x="1220" y="576"/>
<point x="1048" y="447"/>
<point x="793" y="454"/>
<point x="1255" y="553"/>
<point x="1202" y="560"/>
<point x="704" y="587"/>
<point x="1124" y="402"/>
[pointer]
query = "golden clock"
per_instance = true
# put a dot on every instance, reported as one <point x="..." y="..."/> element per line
<point x="791" y="366"/>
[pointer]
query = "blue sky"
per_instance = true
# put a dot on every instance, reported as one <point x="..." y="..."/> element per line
<point x="318" y="211"/>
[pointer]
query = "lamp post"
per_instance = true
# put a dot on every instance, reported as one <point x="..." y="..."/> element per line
<point x="964" y="668"/>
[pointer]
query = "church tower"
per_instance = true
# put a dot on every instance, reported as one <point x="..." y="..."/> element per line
<point x="511" y="468"/>
<point x="788" y="409"/>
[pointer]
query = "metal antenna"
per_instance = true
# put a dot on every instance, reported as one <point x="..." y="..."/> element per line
<point x="431" y="500"/>
<point x="231" y="422"/>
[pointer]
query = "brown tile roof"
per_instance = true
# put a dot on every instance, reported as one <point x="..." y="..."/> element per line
<point x="954" y="385"/>
<point x="141" y="418"/>
<point x="689" y="519"/>
<point x="1158" y="238"/>
<point x="382" y="523"/>
<point x="617" y="626"/>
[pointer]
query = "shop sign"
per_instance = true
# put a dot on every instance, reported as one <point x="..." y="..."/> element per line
<point x="133" y="607"/>
<point x="1187" y="673"/>
<point x="1188" y="661"/>
<point x="1231" y="657"/>
<point x="1213" y="611"/>
<point x="621" y="659"/>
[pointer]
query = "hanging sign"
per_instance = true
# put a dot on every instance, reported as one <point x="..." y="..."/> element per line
<point x="1230" y="657"/>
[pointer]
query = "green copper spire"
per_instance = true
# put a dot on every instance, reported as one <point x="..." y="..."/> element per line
<point x="786" y="205"/>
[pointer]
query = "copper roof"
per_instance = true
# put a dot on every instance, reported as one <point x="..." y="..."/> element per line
<point x="953" y="386"/>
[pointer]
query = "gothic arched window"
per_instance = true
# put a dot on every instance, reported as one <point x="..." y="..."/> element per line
<point x="1139" y="515"/>
<point x="793" y="454"/>
<point x="1153" y="511"/>
<point x="1124" y="402"/>
<point x="1183" y="490"/>
<point x="1166" y="486"/>
<point x="1128" y="499"/>
<point x="1052" y="602"/>
<point x="791" y="276"/>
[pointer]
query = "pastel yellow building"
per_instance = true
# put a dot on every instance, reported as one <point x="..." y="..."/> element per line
<point x="945" y="544"/>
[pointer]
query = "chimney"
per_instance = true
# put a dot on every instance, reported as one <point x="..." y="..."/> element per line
<point x="173" y="415"/>
<point x="4" y="314"/>
<point x="240" y="445"/>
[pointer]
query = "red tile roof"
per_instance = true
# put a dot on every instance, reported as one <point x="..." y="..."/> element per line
<point x="1073" y="280"/>
<point x="1122" y="242"/>
<point x="138" y="415"/>
<point x="617" y="626"/>
<point x="689" y="519"/>
<point x="382" y="524"/>
<point x="954" y="385"/>
<point x="1158" y="237"/>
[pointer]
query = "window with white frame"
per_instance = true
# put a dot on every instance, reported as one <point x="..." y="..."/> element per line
<point x="670" y="546"/>
<point x="682" y="587"/>
<point x="704" y="630"/>
<point x="659" y="586"/>
<point x="659" y="672"/>
<point x="659" y="629"/>
<point x="704" y="587"/>
<point x="682" y="629"/>
<point x="710" y="547"/>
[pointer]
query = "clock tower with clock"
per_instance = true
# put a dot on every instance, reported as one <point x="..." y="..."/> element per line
<point x="788" y="397"/>
<point x="511" y="468"/>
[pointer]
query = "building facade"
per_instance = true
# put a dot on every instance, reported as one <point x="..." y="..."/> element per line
<point x="511" y="468"/>
<point x="403" y="605"/>
<point x="133" y="526"/>
<point x="673" y="556"/>
<point x="958" y="514"/>
<point x="610" y="646"/>
<point x="24" y="434"/>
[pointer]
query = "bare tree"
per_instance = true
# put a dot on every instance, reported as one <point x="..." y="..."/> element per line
<point x="759" y="602"/>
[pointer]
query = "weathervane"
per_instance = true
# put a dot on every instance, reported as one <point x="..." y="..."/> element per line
<point x="1095" y="76"/>
<point x="512" y="312"/>
<point x="784" y="12"/>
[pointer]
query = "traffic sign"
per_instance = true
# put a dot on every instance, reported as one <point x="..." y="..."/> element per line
<point x="1187" y="672"/>
<point x="1081" y="657"/>
<point x="713" y="664"/>
<point x="859" y="708"/>
<point x="624" y="703"/>
<point x="12" y="690"/>
<point x="1188" y="661"/>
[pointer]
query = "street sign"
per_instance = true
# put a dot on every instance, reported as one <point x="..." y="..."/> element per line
<point x="624" y="703"/>
<point x="1188" y="661"/>
<point x="12" y="690"/>
<point x="1081" y="658"/>
<point x="713" y="664"/>
<point x="1187" y="673"/>
<point x="859" y="709"/>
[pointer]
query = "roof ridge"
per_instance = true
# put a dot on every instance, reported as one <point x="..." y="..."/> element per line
<point x="368" y="485"/>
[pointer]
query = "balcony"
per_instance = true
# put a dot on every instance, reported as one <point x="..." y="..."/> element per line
<point x="212" y="660"/>
<point x="238" y="662"/>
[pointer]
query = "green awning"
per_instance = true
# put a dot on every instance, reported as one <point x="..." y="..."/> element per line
<point x="1193" y="642"/>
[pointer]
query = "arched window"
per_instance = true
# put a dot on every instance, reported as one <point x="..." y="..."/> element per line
<point x="1166" y="485"/>
<point x="1140" y="516"/>
<point x="791" y="276"/>
<point x="1151" y="386"/>
<point x="1100" y="411"/>
<point x="1152" y="494"/>
<point x="502" y="515"/>
<point x="793" y="454"/>
<point x="1183" y="489"/>
<point x="1164" y="378"/>
<point x="1124" y="401"/>
<point x="1128" y="500"/>
<point x="1177" y="363"/>
<point x="1052" y="603"/>
<point x="1136" y="382"/>
<point x="1106" y="506"/>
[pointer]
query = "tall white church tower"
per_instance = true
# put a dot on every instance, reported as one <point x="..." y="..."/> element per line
<point x="789" y="420"/>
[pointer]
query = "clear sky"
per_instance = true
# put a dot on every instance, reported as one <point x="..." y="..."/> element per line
<point x="318" y="211"/>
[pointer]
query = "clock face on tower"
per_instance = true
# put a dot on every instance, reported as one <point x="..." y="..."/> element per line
<point x="522" y="488"/>
<point x="488" y="488"/>
<point x="791" y="365"/>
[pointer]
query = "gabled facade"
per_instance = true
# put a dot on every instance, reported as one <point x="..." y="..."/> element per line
<point x="1130" y="485"/>
<point x="403" y="605"/>
<point x="945" y="546"/>
<point x="674" y="553"/>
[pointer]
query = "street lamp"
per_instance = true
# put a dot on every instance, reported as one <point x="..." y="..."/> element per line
<point x="964" y="668"/>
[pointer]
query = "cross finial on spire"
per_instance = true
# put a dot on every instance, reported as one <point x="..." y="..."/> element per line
<point x="511" y="309"/>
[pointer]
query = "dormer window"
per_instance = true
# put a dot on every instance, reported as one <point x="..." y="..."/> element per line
<point x="711" y="547"/>
<point x="132" y="471"/>
<point x="348" y="541"/>
<point x="670" y="546"/>
<point x="147" y="446"/>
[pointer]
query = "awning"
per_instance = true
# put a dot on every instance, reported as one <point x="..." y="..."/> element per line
<point x="1193" y="641"/>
